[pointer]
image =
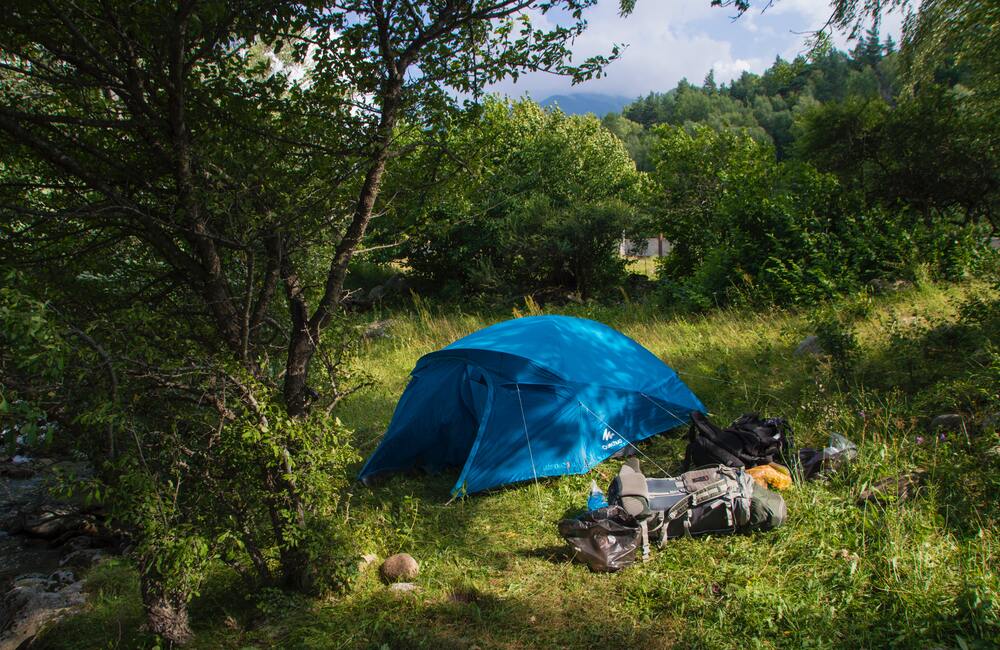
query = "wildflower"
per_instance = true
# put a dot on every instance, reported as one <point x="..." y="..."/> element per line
<point x="920" y="440"/>
<point x="942" y="437"/>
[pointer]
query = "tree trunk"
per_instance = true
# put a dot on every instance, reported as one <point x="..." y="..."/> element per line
<point x="166" y="609"/>
<point x="306" y="333"/>
<point x="305" y="336"/>
<point x="297" y="574"/>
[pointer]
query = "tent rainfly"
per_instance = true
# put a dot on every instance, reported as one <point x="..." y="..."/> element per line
<point x="527" y="398"/>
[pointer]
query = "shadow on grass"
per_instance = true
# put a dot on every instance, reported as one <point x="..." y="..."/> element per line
<point x="461" y="617"/>
<point x="556" y="554"/>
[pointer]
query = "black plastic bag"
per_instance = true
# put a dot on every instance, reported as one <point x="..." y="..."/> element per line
<point x="605" y="539"/>
<point x="816" y="463"/>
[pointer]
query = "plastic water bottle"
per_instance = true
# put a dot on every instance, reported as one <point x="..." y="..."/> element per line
<point x="596" y="499"/>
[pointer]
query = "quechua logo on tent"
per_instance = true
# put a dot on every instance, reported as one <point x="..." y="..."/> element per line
<point x="608" y="438"/>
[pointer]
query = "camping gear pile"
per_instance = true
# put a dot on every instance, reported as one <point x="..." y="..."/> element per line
<point x="748" y="442"/>
<point x="645" y="511"/>
<point x="606" y="539"/>
<point x="817" y="462"/>
<point x="723" y="496"/>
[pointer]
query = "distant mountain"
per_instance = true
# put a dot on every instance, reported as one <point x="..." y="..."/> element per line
<point x="581" y="103"/>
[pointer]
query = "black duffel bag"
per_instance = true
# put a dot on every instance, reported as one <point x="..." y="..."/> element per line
<point x="606" y="539"/>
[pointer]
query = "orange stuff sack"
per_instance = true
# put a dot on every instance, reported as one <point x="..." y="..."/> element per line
<point x="772" y="475"/>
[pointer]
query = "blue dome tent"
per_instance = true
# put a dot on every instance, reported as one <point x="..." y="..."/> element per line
<point x="526" y="398"/>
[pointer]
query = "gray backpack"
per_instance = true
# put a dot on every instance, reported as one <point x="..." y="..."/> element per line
<point x="714" y="499"/>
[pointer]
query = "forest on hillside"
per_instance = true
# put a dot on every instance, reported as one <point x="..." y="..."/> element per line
<point x="767" y="106"/>
<point x="205" y="204"/>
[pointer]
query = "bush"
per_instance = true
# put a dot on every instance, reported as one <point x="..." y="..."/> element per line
<point x="837" y="339"/>
<point x="539" y="203"/>
<point x="745" y="226"/>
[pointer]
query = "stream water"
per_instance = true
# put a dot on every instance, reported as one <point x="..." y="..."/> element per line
<point x="21" y="554"/>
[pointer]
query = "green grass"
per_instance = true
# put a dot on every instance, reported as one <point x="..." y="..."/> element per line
<point x="495" y="573"/>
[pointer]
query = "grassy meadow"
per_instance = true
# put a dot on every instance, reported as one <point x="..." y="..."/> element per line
<point x="920" y="573"/>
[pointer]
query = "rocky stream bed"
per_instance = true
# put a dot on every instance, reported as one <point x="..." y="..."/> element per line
<point x="46" y="546"/>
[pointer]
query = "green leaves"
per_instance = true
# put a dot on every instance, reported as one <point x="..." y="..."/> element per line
<point x="521" y="200"/>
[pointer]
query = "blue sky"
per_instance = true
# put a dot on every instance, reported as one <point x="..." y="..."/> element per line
<point x="672" y="39"/>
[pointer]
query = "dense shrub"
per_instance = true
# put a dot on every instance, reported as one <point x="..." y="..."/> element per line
<point x="541" y="203"/>
<point x="745" y="225"/>
<point x="931" y="154"/>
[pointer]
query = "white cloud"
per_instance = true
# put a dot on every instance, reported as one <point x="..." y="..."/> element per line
<point x="673" y="39"/>
<point x="816" y="11"/>
<point x="726" y="71"/>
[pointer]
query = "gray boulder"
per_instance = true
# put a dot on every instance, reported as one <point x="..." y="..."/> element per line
<point x="55" y="520"/>
<point x="399" y="568"/>
<point x="396" y="284"/>
<point x="377" y="330"/>
<point x="34" y="602"/>
<point x="73" y="468"/>
<point x="880" y="285"/>
<point x="947" y="422"/>
<point x="376" y="293"/>
<point x="809" y="346"/>
<point x="403" y="587"/>
<point x="16" y="471"/>
<point x="84" y="558"/>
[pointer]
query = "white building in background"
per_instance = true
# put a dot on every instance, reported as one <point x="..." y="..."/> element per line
<point x="649" y="247"/>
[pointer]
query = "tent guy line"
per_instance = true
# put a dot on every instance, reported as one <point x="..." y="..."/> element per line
<point x="527" y="439"/>
<point x="612" y="429"/>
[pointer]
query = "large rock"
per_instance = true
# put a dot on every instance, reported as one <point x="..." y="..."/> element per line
<point x="948" y="422"/>
<point x="377" y="330"/>
<point x="399" y="568"/>
<point x="84" y="558"/>
<point x="393" y="286"/>
<point x="35" y="601"/>
<point x="396" y="284"/>
<point x="56" y="520"/>
<point x="16" y="471"/>
<point x="72" y="468"/>
<point x="809" y="346"/>
<point x="990" y="423"/>
<point x="880" y="285"/>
